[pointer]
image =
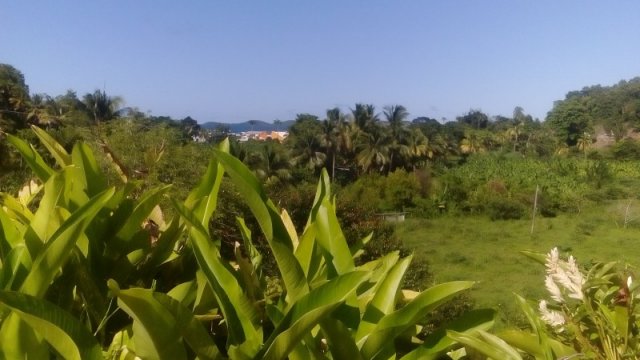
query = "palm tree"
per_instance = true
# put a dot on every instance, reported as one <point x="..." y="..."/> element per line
<point x="396" y="116"/>
<point x="275" y="167"/>
<point x="418" y="147"/>
<point x="373" y="150"/>
<point x="471" y="143"/>
<point x="44" y="110"/>
<point x="331" y="136"/>
<point x="305" y="141"/>
<point x="364" y="116"/>
<point x="584" y="142"/>
<point x="101" y="106"/>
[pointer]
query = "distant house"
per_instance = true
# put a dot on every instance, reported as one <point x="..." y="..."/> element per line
<point x="263" y="135"/>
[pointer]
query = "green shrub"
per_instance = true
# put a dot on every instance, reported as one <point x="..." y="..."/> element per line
<point x="627" y="149"/>
<point x="505" y="209"/>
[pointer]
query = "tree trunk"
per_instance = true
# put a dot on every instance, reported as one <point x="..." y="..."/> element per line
<point x="333" y="168"/>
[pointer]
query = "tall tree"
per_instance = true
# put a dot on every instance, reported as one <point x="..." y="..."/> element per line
<point x="271" y="163"/>
<point x="364" y="116"/>
<point x="570" y="119"/>
<point x="396" y="116"/>
<point x="101" y="106"/>
<point x="331" y="136"/>
<point x="14" y="99"/>
<point x="475" y="119"/>
<point x="305" y="142"/>
<point x="43" y="110"/>
<point x="418" y="147"/>
<point x="373" y="150"/>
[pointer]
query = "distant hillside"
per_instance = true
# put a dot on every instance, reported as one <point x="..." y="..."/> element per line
<point x="616" y="109"/>
<point x="251" y="125"/>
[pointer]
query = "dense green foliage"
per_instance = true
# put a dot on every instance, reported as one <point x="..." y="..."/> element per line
<point x="87" y="245"/>
<point x="119" y="167"/>
<point x="614" y="108"/>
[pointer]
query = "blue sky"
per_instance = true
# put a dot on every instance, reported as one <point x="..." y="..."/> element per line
<point x="233" y="61"/>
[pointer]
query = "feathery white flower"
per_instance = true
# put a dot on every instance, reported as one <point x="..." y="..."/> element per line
<point x="564" y="273"/>
<point x="551" y="317"/>
<point x="552" y="260"/>
<point x="553" y="289"/>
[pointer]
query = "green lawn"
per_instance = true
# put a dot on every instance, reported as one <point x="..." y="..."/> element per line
<point x="476" y="248"/>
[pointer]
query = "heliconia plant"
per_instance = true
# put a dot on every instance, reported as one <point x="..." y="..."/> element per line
<point x="84" y="264"/>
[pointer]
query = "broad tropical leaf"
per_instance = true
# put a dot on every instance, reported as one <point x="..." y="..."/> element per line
<point x="392" y="325"/>
<point x="437" y="343"/>
<point x="66" y="334"/>
<point x="55" y="149"/>
<point x="58" y="249"/>
<point x="489" y="345"/>
<point x="31" y="156"/>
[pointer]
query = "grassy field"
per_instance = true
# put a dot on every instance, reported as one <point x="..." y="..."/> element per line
<point x="476" y="248"/>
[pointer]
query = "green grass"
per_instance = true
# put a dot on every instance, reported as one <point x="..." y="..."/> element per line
<point x="476" y="248"/>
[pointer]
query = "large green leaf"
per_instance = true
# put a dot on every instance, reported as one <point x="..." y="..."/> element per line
<point x="15" y="267"/>
<point x="191" y="329"/>
<point x="31" y="156"/>
<point x="58" y="249"/>
<point x="340" y="339"/>
<point x="270" y="222"/>
<point x="240" y="315"/>
<point x="540" y="258"/>
<point x="538" y="327"/>
<point x="489" y="345"/>
<point x="66" y="334"/>
<point x="311" y="309"/>
<point x="15" y="210"/>
<point x="332" y="240"/>
<point x="9" y="234"/>
<point x="281" y="346"/>
<point x="384" y="300"/>
<point x="530" y="344"/>
<point x="143" y="208"/>
<point x="323" y="191"/>
<point x="45" y="220"/>
<point x="25" y="343"/>
<point x="162" y="318"/>
<point x="83" y="158"/>
<point x="309" y="254"/>
<point x="437" y="343"/>
<point x="397" y="322"/>
<point x="203" y="200"/>
<point x="155" y="333"/>
<point x="55" y="149"/>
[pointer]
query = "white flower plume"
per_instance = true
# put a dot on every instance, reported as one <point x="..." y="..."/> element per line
<point x="565" y="274"/>
<point x="551" y="317"/>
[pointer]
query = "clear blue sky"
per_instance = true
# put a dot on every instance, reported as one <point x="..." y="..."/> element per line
<point x="233" y="61"/>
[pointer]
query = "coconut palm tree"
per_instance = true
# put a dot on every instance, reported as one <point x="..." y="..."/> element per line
<point x="396" y="115"/>
<point x="373" y="149"/>
<point x="418" y="148"/>
<point x="101" y="106"/>
<point x="584" y="143"/>
<point x="306" y="143"/>
<point x="44" y="110"/>
<point x="471" y="143"/>
<point x="275" y="165"/>
<point x="331" y="136"/>
<point x="364" y="116"/>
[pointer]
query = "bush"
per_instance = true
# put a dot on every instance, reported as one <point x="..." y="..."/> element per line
<point x="627" y="149"/>
<point x="505" y="209"/>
